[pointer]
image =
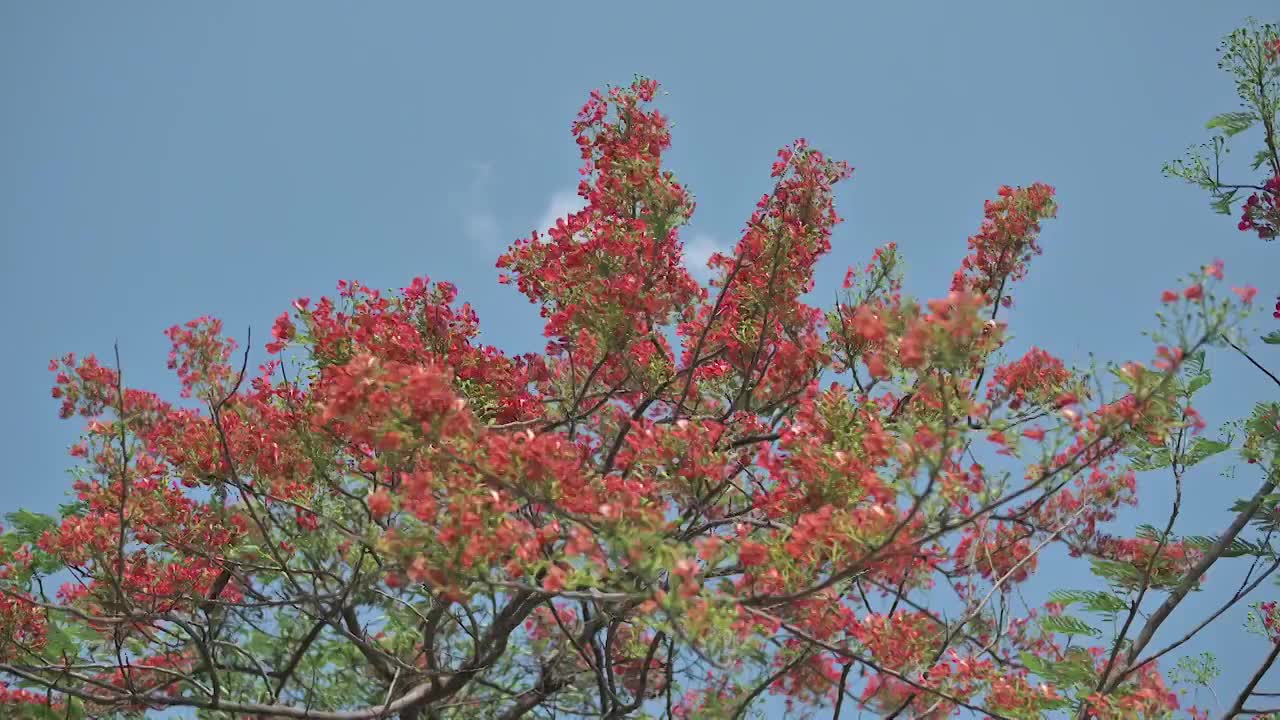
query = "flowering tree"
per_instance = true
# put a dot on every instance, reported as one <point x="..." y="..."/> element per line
<point x="1251" y="55"/>
<point x="694" y="498"/>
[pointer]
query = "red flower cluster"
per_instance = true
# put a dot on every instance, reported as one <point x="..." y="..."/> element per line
<point x="1007" y="241"/>
<point x="201" y="357"/>
<point x="767" y="338"/>
<point x="15" y="698"/>
<point x="1004" y="555"/>
<point x="1269" y="613"/>
<point x="613" y="268"/>
<point x="23" y="625"/>
<point x="1261" y="212"/>
<point x="1037" y="378"/>
<point x="410" y="498"/>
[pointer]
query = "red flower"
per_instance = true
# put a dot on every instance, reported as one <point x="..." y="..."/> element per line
<point x="1261" y="212"/>
<point x="554" y="580"/>
<point x="876" y="366"/>
<point x="751" y="554"/>
<point x="380" y="504"/>
<point x="1246" y="293"/>
<point x="283" y="331"/>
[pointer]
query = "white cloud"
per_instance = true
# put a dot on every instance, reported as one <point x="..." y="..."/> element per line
<point x="562" y="203"/>
<point x="479" y="223"/>
<point x="481" y="227"/>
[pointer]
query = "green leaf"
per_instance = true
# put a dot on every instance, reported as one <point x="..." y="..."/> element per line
<point x="1091" y="600"/>
<point x="1232" y="123"/>
<point x="1067" y="625"/>
<point x="1198" y="382"/>
<point x="1222" y="203"/>
<point x="29" y="526"/>
<point x="1116" y="573"/>
<point x="1262" y="157"/>
<point x="1152" y="460"/>
<point x="1240" y="505"/>
<point x="1200" y="670"/>
<point x="1193" y="364"/>
<point x="1203" y="448"/>
<point x="60" y="642"/>
<point x="1074" y="670"/>
<point x="1237" y="548"/>
<point x="1240" y="548"/>
<point x="1273" y="338"/>
<point x="1036" y="664"/>
<point x="1199" y="542"/>
<point x="1149" y="532"/>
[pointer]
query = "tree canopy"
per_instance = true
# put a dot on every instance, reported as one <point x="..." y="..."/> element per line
<point x="696" y="497"/>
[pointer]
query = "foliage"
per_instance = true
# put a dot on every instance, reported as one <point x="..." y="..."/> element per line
<point x="694" y="497"/>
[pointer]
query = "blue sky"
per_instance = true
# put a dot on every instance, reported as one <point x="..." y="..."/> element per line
<point x="160" y="161"/>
